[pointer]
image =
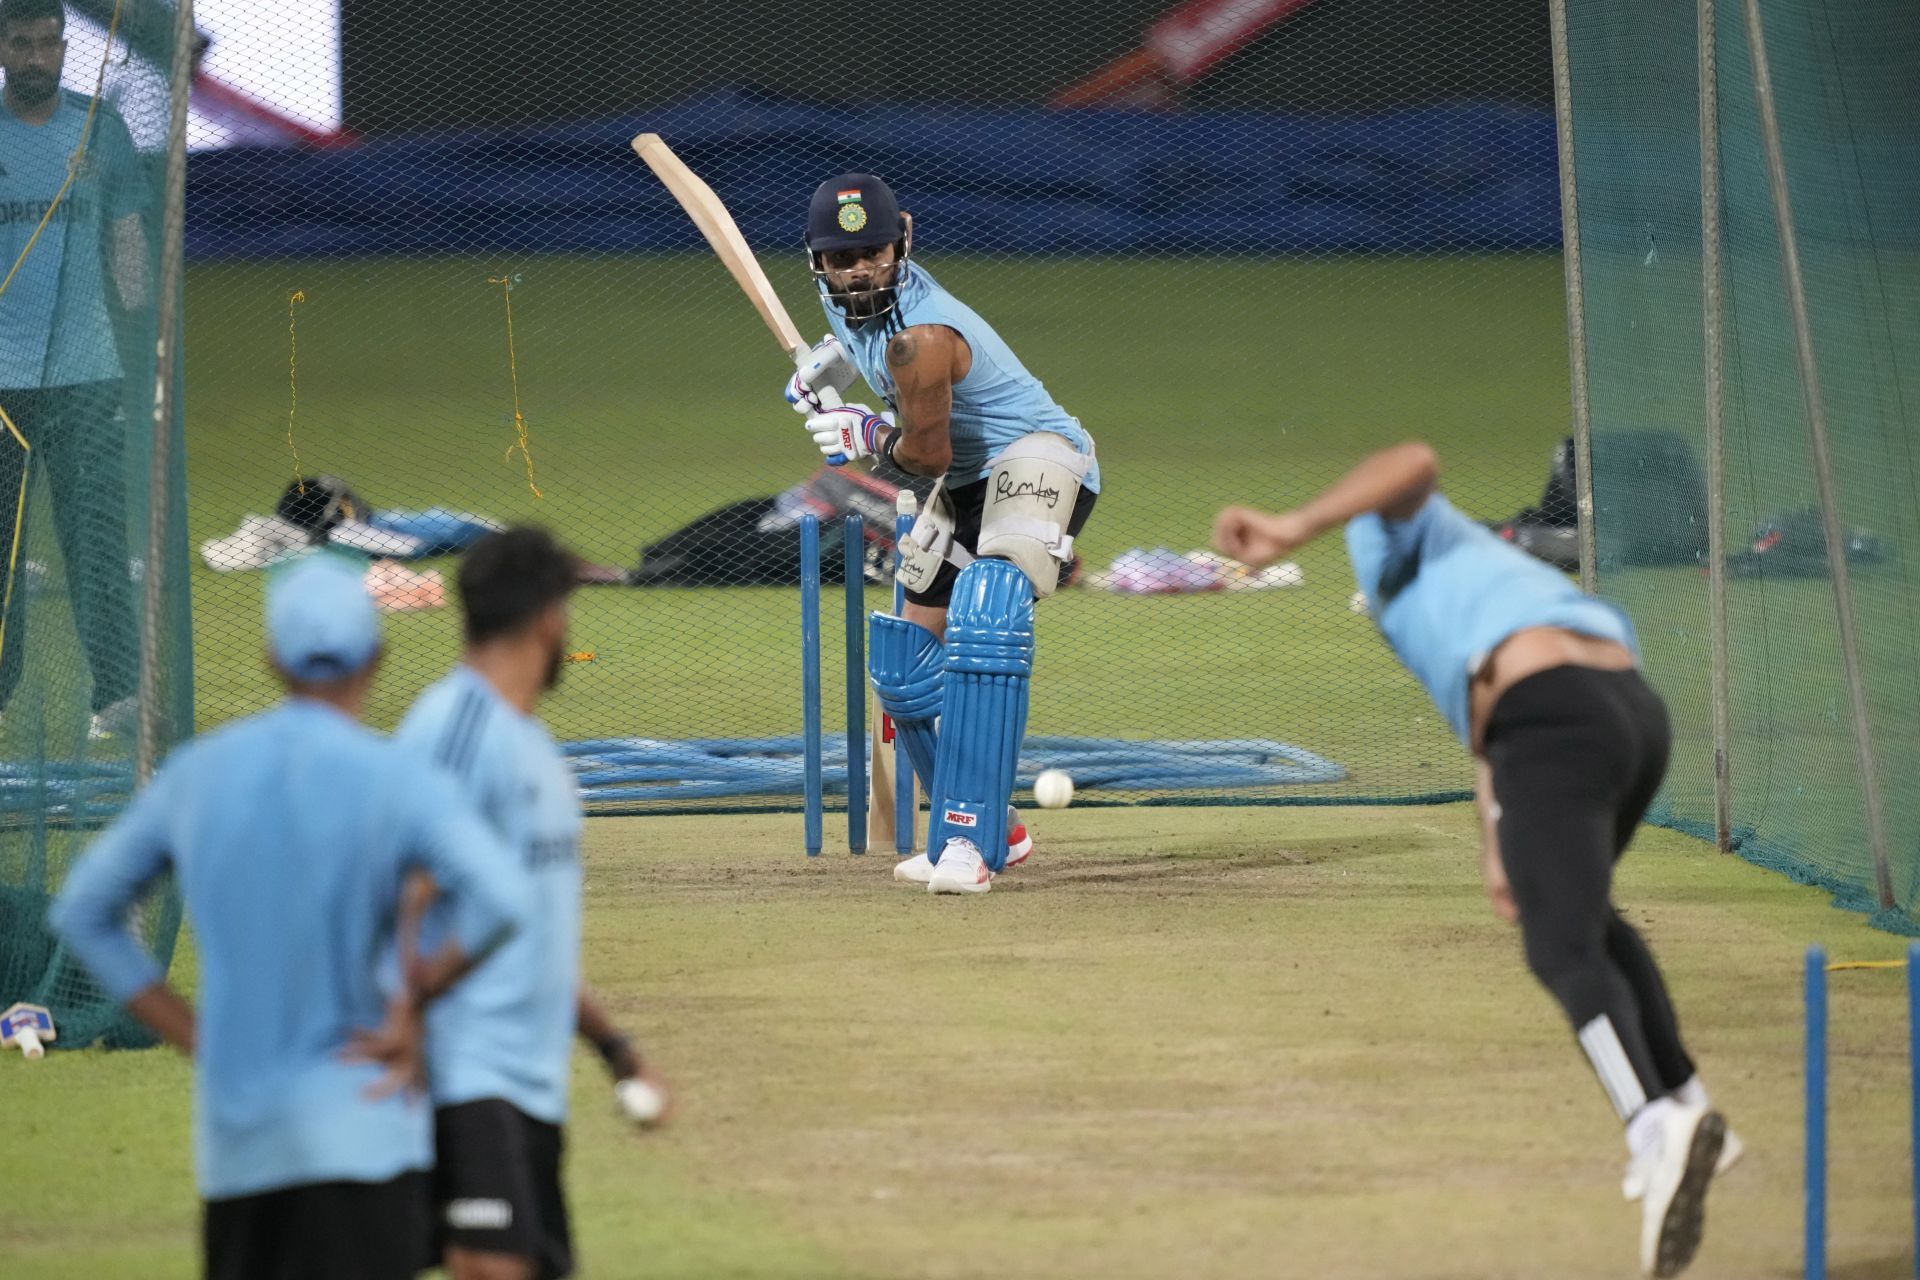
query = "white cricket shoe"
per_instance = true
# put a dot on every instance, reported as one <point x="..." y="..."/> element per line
<point x="1730" y="1152"/>
<point x="1633" y="1186"/>
<point x="115" y="721"/>
<point x="961" y="869"/>
<point x="1670" y="1179"/>
<point x="1019" y="843"/>
<point x="1694" y="1094"/>
<point x="919" y="868"/>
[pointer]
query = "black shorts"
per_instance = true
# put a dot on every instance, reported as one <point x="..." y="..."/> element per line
<point x="969" y="503"/>
<point x="321" y="1231"/>
<point x="496" y="1185"/>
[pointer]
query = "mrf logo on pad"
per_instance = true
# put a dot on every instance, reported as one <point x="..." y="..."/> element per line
<point x="961" y="818"/>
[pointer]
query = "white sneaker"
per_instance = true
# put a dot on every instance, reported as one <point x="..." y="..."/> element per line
<point x="961" y="869"/>
<point x="1730" y="1152"/>
<point x="1019" y="843"/>
<point x="114" y="720"/>
<point x="1694" y="1094"/>
<point x="1670" y="1179"/>
<point x="915" y="870"/>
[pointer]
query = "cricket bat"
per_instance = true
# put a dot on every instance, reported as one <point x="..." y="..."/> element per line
<point x="718" y="226"/>
<point x="883" y="776"/>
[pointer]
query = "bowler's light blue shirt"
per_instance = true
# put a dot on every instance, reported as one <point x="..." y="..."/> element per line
<point x="54" y="325"/>
<point x="291" y="833"/>
<point x="507" y="1030"/>
<point x="994" y="405"/>
<point x="1445" y="592"/>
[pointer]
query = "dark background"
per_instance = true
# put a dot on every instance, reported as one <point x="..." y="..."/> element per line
<point x="410" y="64"/>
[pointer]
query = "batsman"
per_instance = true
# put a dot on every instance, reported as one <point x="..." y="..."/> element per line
<point x="1018" y="478"/>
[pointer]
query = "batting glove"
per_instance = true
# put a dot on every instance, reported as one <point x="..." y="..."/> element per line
<point x="851" y="431"/>
<point x="825" y="366"/>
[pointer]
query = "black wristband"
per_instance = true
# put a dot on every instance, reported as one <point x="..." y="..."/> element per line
<point x="887" y="446"/>
<point x="614" y="1049"/>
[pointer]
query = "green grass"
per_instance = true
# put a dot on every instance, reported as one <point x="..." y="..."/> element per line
<point x="1197" y="1043"/>
<point x="650" y="388"/>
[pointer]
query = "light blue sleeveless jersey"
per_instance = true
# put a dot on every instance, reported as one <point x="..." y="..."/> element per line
<point x="994" y="405"/>
<point x="1445" y="592"/>
<point x="506" y="1029"/>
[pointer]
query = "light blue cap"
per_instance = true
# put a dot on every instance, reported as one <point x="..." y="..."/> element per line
<point x="321" y="623"/>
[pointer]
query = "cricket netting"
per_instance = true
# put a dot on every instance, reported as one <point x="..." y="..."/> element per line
<point x="1243" y="243"/>
<point x="1799" y="748"/>
<point x="84" y="182"/>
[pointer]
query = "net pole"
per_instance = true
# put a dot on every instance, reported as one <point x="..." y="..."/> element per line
<point x="1576" y="295"/>
<point x="148" y="742"/>
<point x="1713" y="318"/>
<point x="1815" y="411"/>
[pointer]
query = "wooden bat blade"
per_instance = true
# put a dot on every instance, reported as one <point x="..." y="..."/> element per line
<point x="880" y="767"/>
<point x="721" y="232"/>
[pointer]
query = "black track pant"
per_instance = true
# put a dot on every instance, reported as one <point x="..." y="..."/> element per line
<point x="1576" y="756"/>
<point x="78" y="440"/>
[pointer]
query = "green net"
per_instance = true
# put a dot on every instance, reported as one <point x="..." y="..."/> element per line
<point x="1849" y="132"/>
<point x="86" y="125"/>
<point x="1242" y="243"/>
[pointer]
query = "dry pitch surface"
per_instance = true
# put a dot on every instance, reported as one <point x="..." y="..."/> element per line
<point x="1180" y="1043"/>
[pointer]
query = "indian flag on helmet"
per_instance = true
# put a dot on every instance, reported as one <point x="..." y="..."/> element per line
<point x="848" y="196"/>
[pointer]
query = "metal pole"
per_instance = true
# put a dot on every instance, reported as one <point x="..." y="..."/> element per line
<point x="1816" y="416"/>
<point x="1713" y="316"/>
<point x="1576" y="295"/>
<point x="855" y="558"/>
<point x="1913" y="1087"/>
<point x="148" y="740"/>
<point x="810" y="681"/>
<point x="1814" y="1245"/>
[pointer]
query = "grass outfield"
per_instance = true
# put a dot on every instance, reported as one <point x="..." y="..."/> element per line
<point x="650" y="389"/>
<point x="1194" y="1043"/>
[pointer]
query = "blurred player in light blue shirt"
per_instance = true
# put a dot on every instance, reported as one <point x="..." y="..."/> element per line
<point x="292" y="834"/>
<point x="1541" y="683"/>
<point x="499" y="1047"/>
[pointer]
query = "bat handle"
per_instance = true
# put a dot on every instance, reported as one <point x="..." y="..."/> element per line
<point x="828" y="398"/>
<point x="29" y="1042"/>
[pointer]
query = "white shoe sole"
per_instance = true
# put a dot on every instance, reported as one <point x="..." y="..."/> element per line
<point x="1730" y="1152"/>
<point x="951" y="885"/>
<point x="1685" y="1219"/>
<point x="914" y="870"/>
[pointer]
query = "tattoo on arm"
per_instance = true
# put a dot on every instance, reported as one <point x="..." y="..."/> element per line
<point x="901" y="350"/>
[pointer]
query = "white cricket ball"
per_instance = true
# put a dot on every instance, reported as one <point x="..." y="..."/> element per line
<point x="639" y="1101"/>
<point x="1053" y="789"/>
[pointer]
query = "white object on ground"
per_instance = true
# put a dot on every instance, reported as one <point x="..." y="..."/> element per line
<point x="915" y="870"/>
<point x="1053" y="789"/>
<point x="640" y="1101"/>
<point x="27" y="1027"/>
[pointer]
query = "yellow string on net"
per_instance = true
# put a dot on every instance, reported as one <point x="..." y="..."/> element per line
<point x="293" y="385"/>
<point x="521" y="445"/>
<point x="79" y="156"/>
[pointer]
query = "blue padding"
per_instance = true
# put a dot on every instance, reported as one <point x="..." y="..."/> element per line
<point x="1461" y="176"/>
<point x="905" y="660"/>
<point x="989" y="659"/>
